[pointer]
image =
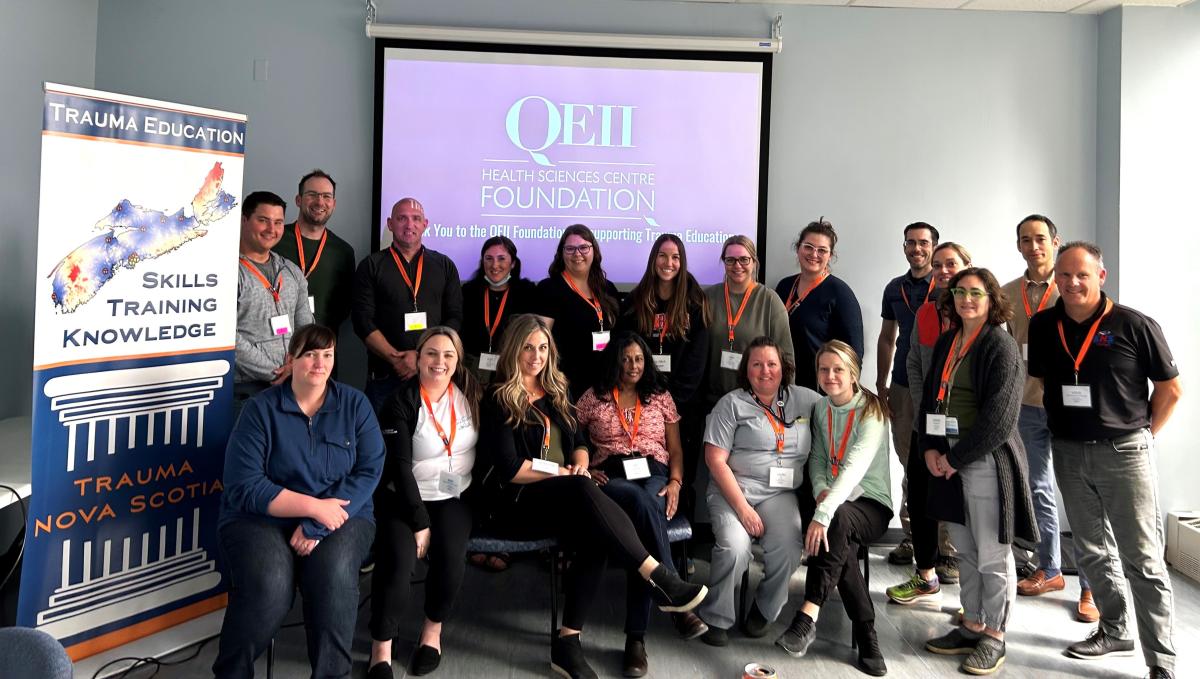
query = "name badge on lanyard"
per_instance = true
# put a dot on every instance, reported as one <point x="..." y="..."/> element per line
<point x="415" y="321"/>
<point x="781" y="477"/>
<point x="1077" y="395"/>
<point x="312" y="305"/>
<point x="545" y="466"/>
<point x="730" y="360"/>
<point x="1080" y="395"/>
<point x="662" y="363"/>
<point x="450" y="483"/>
<point x="636" y="468"/>
<point x="488" y="361"/>
<point x="599" y="340"/>
<point x="281" y="324"/>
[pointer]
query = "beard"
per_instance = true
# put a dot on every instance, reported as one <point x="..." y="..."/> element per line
<point x="312" y="219"/>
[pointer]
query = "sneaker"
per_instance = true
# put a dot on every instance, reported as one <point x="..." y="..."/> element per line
<point x="715" y="636"/>
<point x="1038" y="584"/>
<point x="902" y="554"/>
<point x="689" y="625"/>
<point x="634" y="663"/>
<point x="672" y="594"/>
<point x="870" y="658"/>
<point x="958" y="641"/>
<point x="566" y="658"/>
<point x="756" y="624"/>
<point x="914" y="589"/>
<point x="1086" y="610"/>
<point x="947" y="570"/>
<point x="1100" y="645"/>
<point x="1157" y="672"/>
<point x="987" y="657"/>
<point x="798" y="636"/>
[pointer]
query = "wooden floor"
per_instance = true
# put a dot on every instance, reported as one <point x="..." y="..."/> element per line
<point x="501" y="626"/>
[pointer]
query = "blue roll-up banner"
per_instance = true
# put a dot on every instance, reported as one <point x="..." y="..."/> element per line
<point x="136" y="314"/>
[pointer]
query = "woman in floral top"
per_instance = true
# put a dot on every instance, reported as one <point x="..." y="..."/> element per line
<point x="638" y="461"/>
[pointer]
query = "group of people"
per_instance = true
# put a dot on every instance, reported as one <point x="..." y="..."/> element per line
<point x="564" y="409"/>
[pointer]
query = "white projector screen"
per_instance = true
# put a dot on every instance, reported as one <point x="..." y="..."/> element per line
<point x="524" y="143"/>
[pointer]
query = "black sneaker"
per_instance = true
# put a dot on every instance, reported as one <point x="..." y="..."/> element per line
<point x="566" y="658"/>
<point x="870" y="658"/>
<point x="715" y="636"/>
<point x="672" y="594"/>
<point x="798" y="636"/>
<point x="987" y="657"/>
<point x="756" y="624"/>
<point x="959" y="641"/>
<point x="946" y="568"/>
<point x="1100" y="645"/>
<point x="902" y="554"/>
<point x="1157" y="672"/>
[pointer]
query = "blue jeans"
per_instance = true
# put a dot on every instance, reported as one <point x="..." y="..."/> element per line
<point x="648" y="512"/>
<point x="1035" y="434"/>
<point x="263" y="575"/>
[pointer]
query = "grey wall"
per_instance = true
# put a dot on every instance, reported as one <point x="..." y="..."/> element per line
<point x="1108" y="145"/>
<point x="39" y="42"/>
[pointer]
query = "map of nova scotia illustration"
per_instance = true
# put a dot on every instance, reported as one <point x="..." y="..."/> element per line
<point x="133" y="234"/>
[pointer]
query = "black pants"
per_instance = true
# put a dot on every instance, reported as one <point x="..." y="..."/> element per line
<point x="854" y="523"/>
<point x="396" y="556"/>
<point x="925" y="536"/>
<point x="586" y="522"/>
<point x="691" y="438"/>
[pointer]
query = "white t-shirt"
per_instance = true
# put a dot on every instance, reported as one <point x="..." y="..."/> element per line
<point x="429" y="455"/>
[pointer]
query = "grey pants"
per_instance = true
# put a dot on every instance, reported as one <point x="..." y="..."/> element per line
<point x="987" y="570"/>
<point x="782" y="543"/>
<point x="1116" y="481"/>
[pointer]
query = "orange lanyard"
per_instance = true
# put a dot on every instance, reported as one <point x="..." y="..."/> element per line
<point x="777" y="424"/>
<point x="263" y="279"/>
<point x="904" y="295"/>
<point x="447" y="441"/>
<point x="593" y="302"/>
<point x="662" y="332"/>
<point x="317" y="257"/>
<point x="793" y="301"/>
<point x="404" y="274"/>
<point x="487" y="311"/>
<point x="835" y="456"/>
<point x="954" y="359"/>
<point x="545" y="427"/>
<point x="1029" y="312"/>
<point x="631" y="432"/>
<point x="730" y="319"/>
<point x="1087" y="341"/>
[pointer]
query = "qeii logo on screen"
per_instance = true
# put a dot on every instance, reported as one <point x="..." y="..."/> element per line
<point x="547" y="123"/>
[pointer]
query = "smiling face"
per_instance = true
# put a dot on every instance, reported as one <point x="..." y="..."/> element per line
<point x="437" y="360"/>
<point x="577" y="255"/>
<point x="1036" y="244"/>
<point x="668" y="261"/>
<point x="407" y="223"/>
<point x="535" y="353"/>
<point x="946" y="263"/>
<point x="262" y="229"/>
<point x="814" y="253"/>
<point x="764" y="371"/>
<point x="971" y="300"/>
<point x="633" y="364"/>
<point x="497" y="263"/>
<point x="835" y="377"/>
<point x="739" y="265"/>
<point x="1079" y="276"/>
<point x="918" y="248"/>
<point x="312" y="368"/>
<point x="316" y="201"/>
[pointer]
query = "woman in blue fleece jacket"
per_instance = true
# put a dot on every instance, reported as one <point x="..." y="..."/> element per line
<point x="301" y="465"/>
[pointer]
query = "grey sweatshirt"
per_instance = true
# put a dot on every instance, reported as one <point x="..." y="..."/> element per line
<point x="259" y="350"/>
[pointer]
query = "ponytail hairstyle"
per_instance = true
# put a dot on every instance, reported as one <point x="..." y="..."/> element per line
<point x="846" y="354"/>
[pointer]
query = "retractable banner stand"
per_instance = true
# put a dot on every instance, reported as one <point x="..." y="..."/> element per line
<point x="133" y="365"/>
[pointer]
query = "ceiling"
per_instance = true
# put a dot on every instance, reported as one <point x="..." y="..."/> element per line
<point x="1057" y="6"/>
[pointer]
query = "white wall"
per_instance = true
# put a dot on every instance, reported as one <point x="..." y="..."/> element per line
<point x="39" y="42"/>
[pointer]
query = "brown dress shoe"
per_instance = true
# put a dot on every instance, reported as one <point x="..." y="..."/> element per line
<point x="1086" y="611"/>
<point x="1038" y="584"/>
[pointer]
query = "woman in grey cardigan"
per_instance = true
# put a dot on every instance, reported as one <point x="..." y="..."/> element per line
<point x="968" y="432"/>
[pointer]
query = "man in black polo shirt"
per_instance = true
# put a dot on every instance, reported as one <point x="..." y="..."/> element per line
<point x="398" y="293"/>
<point x="1095" y="359"/>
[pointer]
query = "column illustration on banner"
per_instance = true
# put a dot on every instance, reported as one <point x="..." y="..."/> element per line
<point x="133" y="356"/>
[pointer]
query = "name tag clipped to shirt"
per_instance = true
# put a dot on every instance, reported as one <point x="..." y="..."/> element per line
<point x="636" y="468"/>
<point x="730" y="360"/>
<point x="281" y="324"/>
<point x="488" y="361"/>
<point x="545" y="466"/>
<point x="415" y="321"/>
<point x="600" y="340"/>
<point x="941" y="425"/>
<point x="781" y="477"/>
<point x="450" y="483"/>
<point x="1025" y="351"/>
<point x="662" y="362"/>
<point x="312" y="305"/>
<point x="1077" y="395"/>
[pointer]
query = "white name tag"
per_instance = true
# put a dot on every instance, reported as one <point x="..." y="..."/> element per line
<point x="1025" y="351"/>
<point x="935" y="425"/>
<point x="450" y="483"/>
<point x="599" y="340"/>
<point x="951" y="426"/>
<point x="488" y="361"/>
<point x="312" y="305"/>
<point x="730" y="360"/>
<point x="662" y="362"/>
<point x="415" y="321"/>
<point x="1077" y="396"/>
<point x="545" y="466"/>
<point x="281" y="324"/>
<point x="781" y="477"/>
<point x="636" y="468"/>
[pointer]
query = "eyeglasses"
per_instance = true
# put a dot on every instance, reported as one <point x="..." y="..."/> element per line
<point x="811" y="249"/>
<point x="911" y="243"/>
<point x="731" y="261"/>
<point x="973" y="293"/>
<point x="309" y="195"/>
<point x="577" y="249"/>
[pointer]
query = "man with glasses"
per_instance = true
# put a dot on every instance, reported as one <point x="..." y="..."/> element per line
<point x="398" y="293"/>
<point x="1097" y="360"/>
<point x="902" y="296"/>
<point x="326" y="260"/>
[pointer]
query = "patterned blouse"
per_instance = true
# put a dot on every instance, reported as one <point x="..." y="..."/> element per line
<point x="599" y="417"/>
